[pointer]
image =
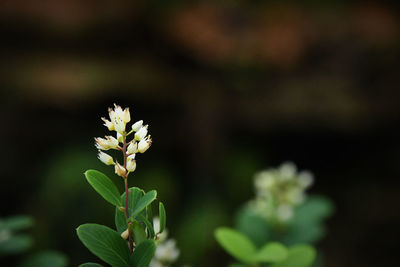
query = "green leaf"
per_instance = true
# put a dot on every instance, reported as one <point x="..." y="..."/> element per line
<point x="46" y="259"/>
<point x="16" y="244"/>
<point x="236" y="244"/>
<point x="15" y="223"/>
<point x="143" y="202"/>
<point x="135" y="194"/>
<point x="139" y="235"/>
<point x="148" y="225"/>
<point x="272" y="252"/>
<point x="90" y="264"/>
<point x="149" y="213"/>
<point x="299" y="256"/>
<point x="143" y="254"/>
<point x="104" y="186"/>
<point x="105" y="243"/>
<point x="163" y="216"/>
<point x="253" y="226"/>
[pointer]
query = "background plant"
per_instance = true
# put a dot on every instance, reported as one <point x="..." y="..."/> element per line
<point x="280" y="215"/>
<point x="14" y="242"/>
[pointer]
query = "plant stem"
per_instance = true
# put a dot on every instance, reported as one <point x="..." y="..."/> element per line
<point x="127" y="197"/>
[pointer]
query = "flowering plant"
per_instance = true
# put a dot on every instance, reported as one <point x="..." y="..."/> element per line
<point x="133" y="241"/>
<point x="277" y="226"/>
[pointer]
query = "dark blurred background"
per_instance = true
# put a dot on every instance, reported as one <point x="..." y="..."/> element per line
<point x="228" y="88"/>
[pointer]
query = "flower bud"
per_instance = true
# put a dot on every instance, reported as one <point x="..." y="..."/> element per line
<point x="105" y="158"/>
<point x="120" y="170"/>
<point x="144" y="144"/>
<point x="126" y="116"/>
<point x="137" y="125"/>
<point x="139" y="135"/>
<point x="108" y="124"/>
<point x="131" y="163"/>
<point x="133" y="147"/>
<point x="125" y="234"/>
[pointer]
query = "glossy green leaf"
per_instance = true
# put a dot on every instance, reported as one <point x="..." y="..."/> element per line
<point x="143" y="202"/>
<point x="90" y="264"/>
<point x="135" y="194"/>
<point x="15" y="223"/>
<point x="46" y="259"/>
<point x="149" y="225"/>
<point x="143" y="254"/>
<point x="272" y="252"/>
<point x="105" y="243"/>
<point x="104" y="186"/>
<point x="139" y="235"/>
<point x="299" y="256"/>
<point x="163" y="216"/>
<point x="236" y="244"/>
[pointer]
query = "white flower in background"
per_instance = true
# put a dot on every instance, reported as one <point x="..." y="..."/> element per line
<point x="166" y="251"/>
<point x="105" y="158"/>
<point x="306" y="179"/>
<point x="279" y="191"/>
<point x="284" y="212"/>
<point x="139" y="143"/>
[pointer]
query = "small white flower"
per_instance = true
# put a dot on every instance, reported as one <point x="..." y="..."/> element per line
<point x="137" y="125"/>
<point x="105" y="158"/>
<point x="287" y="170"/>
<point x="167" y="252"/>
<point x="306" y="179"/>
<point x="108" y="124"/>
<point x="144" y="144"/>
<point x="131" y="163"/>
<point x="107" y="143"/>
<point x="139" y="135"/>
<point x="120" y="170"/>
<point x="133" y="147"/>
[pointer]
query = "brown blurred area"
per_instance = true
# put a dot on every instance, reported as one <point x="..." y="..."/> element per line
<point x="315" y="82"/>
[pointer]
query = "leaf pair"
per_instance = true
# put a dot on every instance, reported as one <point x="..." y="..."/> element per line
<point x="240" y="247"/>
<point x="108" y="245"/>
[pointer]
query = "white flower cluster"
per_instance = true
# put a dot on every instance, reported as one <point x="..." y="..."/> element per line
<point x="280" y="190"/>
<point x="166" y="252"/>
<point x="141" y="142"/>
